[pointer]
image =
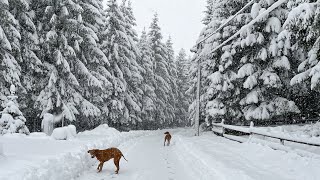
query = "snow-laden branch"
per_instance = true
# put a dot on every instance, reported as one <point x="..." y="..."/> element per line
<point x="260" y="16"/>
<point x="224" y="24"/>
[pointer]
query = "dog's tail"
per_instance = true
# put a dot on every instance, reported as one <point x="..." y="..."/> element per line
<point x="124" y="157"/>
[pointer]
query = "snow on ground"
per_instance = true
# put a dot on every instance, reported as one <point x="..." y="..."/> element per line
<point x="41" y="157"/>
<point x="147" y="159"/>
<point x="307" y="133"/>
<point x="300" y="131"/>
<point x="203" y="158"/>
<point x="212" y="157"/>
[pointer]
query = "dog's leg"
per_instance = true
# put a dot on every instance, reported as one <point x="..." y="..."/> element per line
<point x="116" y="163"/>
<point x="164" y="144"/>
<point x="100" y="167"/>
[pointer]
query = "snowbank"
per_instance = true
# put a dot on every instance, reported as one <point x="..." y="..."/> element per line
<point x="70" y="165"/>
<point x="306" y="133"/>
<point x="64" y="133"/>
<point x="102" y="130"/>
<point x="302" y="131"/>
<point x="38" y="135"/>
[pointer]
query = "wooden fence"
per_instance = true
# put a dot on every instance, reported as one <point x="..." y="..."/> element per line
<point x="220" y="129"/>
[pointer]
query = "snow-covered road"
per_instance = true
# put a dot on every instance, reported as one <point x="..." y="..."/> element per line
<point x="205" y="158"/>
<point x="147" y="159"/>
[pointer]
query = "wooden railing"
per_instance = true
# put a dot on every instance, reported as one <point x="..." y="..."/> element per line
<point x="220" y="129"/>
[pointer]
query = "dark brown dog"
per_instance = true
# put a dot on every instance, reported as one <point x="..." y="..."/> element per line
<point x="167" y="138"/>
<point x="106" y="155"/>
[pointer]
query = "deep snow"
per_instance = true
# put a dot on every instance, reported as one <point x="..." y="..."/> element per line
<point x="41" y="157"/>
<point x="203" y="158"/>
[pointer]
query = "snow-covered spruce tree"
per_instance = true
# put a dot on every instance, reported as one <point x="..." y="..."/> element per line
<point x="12" y="119"/>
<point x="134" y="85"/>
<point x="148" y="84"/>
<point x="265" y="66"/>
<point x="31" y="65"/>
<point x="183" y="100"/>
<point x="172" y="70"/>
<point x="303" y="31"/>
<point x="122" y="54"/>
<point x="208" y="12"/>
<point x="219" y="90"/>
<point x="160" y="64"/>
<point x="59" y="25"/>
<point x="126" y="9"/>
<point x="95" y="80"/>
<point x="9" y="49"/>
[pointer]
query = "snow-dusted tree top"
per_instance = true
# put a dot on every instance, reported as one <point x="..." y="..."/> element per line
<point x="247" y="66"/>
<point x="87" y="63"/>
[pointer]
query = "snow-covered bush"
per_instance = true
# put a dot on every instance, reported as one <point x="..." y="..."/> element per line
<point x="204" y="127"/>
<point x="12" y="119"/>
<point x="64" y="133"/>
<point x="47" y="123"/>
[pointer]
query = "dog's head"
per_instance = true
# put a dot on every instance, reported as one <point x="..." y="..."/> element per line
<point x="167" y="132"/>
<point x="93" y="152"/>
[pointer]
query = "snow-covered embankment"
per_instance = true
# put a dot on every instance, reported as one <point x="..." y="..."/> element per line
<point x="69" y="165"/>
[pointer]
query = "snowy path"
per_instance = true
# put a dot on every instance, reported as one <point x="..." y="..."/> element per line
<point x="147" y="159"/>
<point x="205" y="158"/>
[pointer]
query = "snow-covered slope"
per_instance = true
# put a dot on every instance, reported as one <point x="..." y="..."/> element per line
<point x="41" y="157"/>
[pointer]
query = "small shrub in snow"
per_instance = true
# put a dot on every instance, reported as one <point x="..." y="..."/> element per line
<point x="204" y="127"/>
<point x="64" y="133"/>
<point x="12" y="119"/>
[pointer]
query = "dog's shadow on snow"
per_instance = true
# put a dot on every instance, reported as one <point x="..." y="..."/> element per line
<point x="108" y="172"/>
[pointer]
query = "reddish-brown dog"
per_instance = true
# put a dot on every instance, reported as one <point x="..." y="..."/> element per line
<point x="106" y="155"/>
<point x="167" y="138"/>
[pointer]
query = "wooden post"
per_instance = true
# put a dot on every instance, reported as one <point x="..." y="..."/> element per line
<point x="251" y="126"/>
<point x="62" y="122"/>
<point x="223" y="129"/>
<point x="197" y="119"/>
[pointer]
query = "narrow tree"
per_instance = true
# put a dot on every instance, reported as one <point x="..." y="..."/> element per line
<point x="9" y="50"/>
<point x="120" y="50"/>
<point x="58" y="25"/>
<point x="183" y="100"/>
<point x="161" y="73"/>
<point x="149" y="83"/>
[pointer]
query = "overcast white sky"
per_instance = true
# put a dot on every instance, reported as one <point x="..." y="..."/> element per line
<point x="181" y="19"/>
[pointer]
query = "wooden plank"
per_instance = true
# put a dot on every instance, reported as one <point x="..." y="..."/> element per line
<point x="284" y="138"/>
<point x="235" y="138"/>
